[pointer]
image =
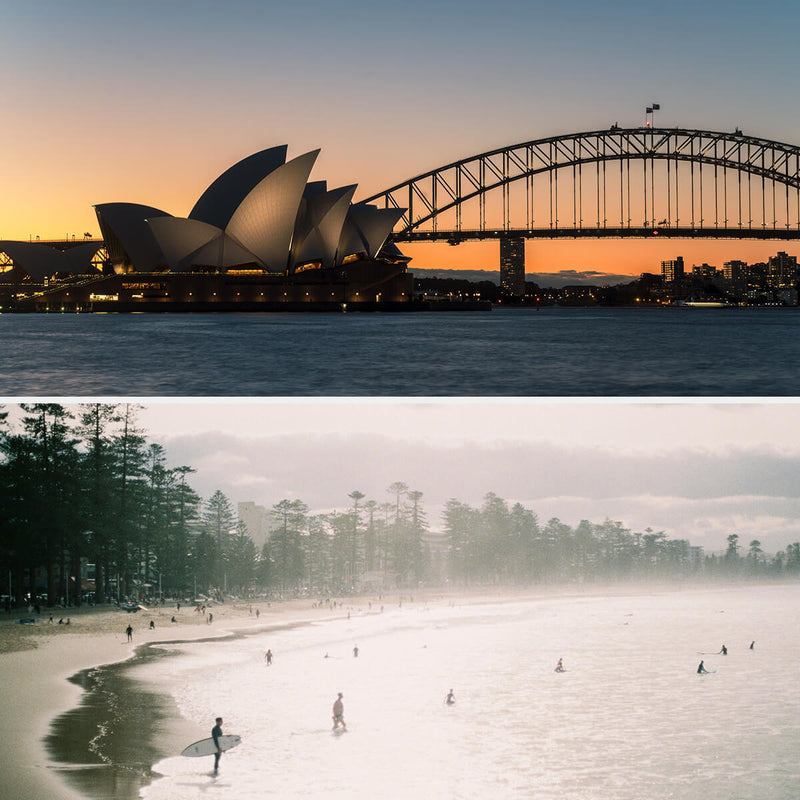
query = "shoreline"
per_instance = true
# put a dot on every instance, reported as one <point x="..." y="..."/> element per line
<point x="48" y="667"/>
<point x="51" y="675"/>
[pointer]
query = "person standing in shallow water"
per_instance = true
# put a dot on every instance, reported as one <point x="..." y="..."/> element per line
<point x="216" y="732"/>
<point x="338" y="712"/>
<point x="129" y="631"/>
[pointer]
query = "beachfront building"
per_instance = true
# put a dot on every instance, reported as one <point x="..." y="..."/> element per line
<point x="261" y="235"/>
<point x="256" y="521"/>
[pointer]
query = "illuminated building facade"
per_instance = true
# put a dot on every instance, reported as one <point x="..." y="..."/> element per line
<point x="512" y="266"/>
<point x="672" y="270"/>
<point x="261" y="236"/>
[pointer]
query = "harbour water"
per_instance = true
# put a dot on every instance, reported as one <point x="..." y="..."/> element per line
<point x="504" y="352"/>
<point x="629" y="719"/>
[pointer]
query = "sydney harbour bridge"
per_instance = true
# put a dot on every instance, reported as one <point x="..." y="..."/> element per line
<point x="621" y="182"/>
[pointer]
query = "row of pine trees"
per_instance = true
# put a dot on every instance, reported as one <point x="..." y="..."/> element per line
<point x="83" y="485"/>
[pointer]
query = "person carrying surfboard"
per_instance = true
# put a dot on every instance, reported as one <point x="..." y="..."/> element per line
<point x="338" y="712"/>
<point x="216" y="732"/>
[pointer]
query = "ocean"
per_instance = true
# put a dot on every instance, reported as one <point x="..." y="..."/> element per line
<point x="505" y="352"/>
<point x="629" y="719"/>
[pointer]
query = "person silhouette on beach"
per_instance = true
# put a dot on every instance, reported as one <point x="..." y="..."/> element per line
<point x="129" y="631"/>
<point x="338" y="712"/>
<point x="216" y="732"/>
<point x="268" y="657"/>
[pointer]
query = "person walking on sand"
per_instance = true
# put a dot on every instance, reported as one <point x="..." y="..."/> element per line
<point x="129" y="631"/>
<point x="338" y="712"/>
<point x="216" y="732"/>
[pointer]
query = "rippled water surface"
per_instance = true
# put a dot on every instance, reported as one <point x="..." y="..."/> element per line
<point x="630" y="719"/>
<point x="507" y="352"/>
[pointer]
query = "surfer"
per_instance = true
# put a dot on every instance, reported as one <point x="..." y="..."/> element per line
<point x="701" y="670"/>
<point x="129" y="631"/>
<point x="450" y="699"/>
<point x="355" y="651"/>
<point x="753" y="644"/>
<point x="338" y="712"/>
<point x="560" y="666"/>
<point x="216" y="732"/>
<point x="724" y="650"/>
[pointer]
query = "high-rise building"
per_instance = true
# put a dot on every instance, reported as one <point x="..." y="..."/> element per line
<point x="705" y="272"/>
<point x="782" y="270"/>
<point x="734" y="270"/>
<point x="512" y="266"/>
<point x="672" y="270"/>
<point x="256" y="520"/>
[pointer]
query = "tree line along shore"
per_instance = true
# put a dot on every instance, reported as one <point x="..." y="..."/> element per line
<point x="93" y="514"/>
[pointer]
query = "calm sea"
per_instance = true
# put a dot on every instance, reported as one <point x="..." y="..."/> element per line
<point x="507" y="352"/>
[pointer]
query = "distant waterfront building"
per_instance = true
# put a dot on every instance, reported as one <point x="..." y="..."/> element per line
<point x="705" y="272"/>
<point x="734" y="270"/>
<point x="782" y="271"/>
<point x="256" y="520"/>
<point x="512" y="266"/>
<point x="672" y="270"/>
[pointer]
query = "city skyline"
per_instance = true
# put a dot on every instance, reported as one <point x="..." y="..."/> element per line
<point x="107" y="105"/>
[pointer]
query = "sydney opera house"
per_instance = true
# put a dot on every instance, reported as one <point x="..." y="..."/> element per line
<point x="261" y="237"/>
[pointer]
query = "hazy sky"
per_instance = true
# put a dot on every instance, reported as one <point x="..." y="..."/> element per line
<point x="697" y="471"/>
<point x="149" y="101"/>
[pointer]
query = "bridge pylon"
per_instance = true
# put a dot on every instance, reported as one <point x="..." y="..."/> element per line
<point x="512" y="266"/>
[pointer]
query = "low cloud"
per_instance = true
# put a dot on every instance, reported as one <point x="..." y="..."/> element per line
<point x="699" y="496"/>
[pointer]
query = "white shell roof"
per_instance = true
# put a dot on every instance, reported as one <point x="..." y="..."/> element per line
<point x="367" y="228"/>
<point x="126" y="222"/>
<point x="264" y="221"/>
<point x="320" y="226"/>
<point x="220" y="201"/>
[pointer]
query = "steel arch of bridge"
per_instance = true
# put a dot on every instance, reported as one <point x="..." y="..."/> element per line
<point x="670" y="197"/>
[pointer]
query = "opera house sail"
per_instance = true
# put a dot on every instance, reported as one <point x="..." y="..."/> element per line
<point x="260" y="237"/>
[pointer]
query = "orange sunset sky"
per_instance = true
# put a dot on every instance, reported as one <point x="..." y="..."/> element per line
<point x="149" y="102"/>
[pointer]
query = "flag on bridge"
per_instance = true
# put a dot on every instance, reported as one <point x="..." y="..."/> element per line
<point x="656" y="107"/>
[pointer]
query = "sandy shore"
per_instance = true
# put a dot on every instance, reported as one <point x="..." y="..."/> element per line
<point x="37" y="660"/>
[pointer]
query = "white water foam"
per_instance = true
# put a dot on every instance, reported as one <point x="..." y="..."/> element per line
<point x="630" y="719"/>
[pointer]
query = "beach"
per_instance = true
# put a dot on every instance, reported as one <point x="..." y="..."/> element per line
<point x="38" y="659"/>
<point x="631" y="654"/>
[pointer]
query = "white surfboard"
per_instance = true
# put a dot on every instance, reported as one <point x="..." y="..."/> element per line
<point x="206" y="747"/>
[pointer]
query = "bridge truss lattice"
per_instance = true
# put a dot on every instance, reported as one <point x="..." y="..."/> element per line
<point x="617" y="182"/>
